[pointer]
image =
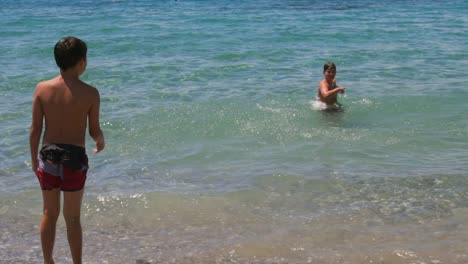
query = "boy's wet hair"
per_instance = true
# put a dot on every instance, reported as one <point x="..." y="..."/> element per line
<point x="69" y="51"/>
<point x="329" y="65"/>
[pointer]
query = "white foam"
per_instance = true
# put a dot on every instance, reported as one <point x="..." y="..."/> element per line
<point x="268" y="109"/>
<point x="364" y="101"/>
<point x="320" y="106"/>
<point x="317" y="105"/>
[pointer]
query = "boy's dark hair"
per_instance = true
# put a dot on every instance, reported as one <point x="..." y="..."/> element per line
<point x="69" y="51"/>
<point x="329" y="65"/>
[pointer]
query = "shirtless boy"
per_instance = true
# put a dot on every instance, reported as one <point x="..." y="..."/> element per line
<point x="327" y="88"/>
<point x="67" y="105"/>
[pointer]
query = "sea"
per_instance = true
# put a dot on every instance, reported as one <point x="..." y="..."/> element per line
<point x="215" y="151"/>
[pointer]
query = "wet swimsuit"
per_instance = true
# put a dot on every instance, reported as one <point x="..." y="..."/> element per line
<point x="62" y="166"/>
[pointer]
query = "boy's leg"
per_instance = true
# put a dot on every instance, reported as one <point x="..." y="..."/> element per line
<point x="71" y="212"/>
<point x="50" y="215"/>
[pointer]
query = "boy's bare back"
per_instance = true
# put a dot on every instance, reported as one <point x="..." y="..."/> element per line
<point x="66" y="106"/>
<point x="65" y="103"/>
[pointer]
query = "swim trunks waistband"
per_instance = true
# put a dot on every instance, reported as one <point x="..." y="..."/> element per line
<point x="62" y="165"/>
<point x="70" y="156"/>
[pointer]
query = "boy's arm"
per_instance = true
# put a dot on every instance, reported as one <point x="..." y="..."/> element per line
<point x="94" y="128"/>
<point x="323" y="87"/>
<point x="36" y="128"/>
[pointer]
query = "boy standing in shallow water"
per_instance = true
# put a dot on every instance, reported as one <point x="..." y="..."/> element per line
<point x="327" y="88"/>
<point x="67" y="105"/>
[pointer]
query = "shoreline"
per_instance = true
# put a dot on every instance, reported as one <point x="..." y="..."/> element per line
<point x="246" y="227"/>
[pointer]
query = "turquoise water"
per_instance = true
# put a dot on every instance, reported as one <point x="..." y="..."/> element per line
<point x="215" y="153"/>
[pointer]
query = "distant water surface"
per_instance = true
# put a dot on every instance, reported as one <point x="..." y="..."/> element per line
<point x="214" y="151"/>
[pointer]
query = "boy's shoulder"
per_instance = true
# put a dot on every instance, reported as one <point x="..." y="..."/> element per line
<point x="323" y="82"/>
<point x="89" y="89"/>
<point x="43" y="86"/>
<point x="58" y="83"/>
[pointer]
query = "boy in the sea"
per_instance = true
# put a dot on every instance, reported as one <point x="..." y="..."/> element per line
<point x="328" y="90"/>
<point x="67" y="105"/>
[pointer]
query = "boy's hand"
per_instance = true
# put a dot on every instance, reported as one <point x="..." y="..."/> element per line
<point x="99" y="146"/>
<point x="342" y="90"/>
